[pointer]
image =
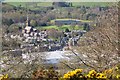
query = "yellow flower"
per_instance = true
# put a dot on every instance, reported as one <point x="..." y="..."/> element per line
<point x="78" y="70"/>
<point x="4" y="77"/>
<point x="88" y="76"/>
<point x="118" y="76"/>
<point x="1" y="77"/>
<point x="81" y="76"/>
<point x="72" y="73"/>
<point x="108" y="71"/>
<point x="117" y="68"/>
<point x="92" y="72"/>
<point x="101" y="76"/>
<point x="66" y="76"/>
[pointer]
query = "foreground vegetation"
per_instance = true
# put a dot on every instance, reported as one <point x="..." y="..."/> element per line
<point x="77" y="74"/>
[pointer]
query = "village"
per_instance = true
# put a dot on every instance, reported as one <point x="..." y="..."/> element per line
<point x="63" y="36"/>
<point x="35" y="44"/>
<point x="34" y="40"/>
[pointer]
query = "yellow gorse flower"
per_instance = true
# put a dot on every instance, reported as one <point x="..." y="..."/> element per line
<point x="66" y="76"/>
<point x="109" y="71"/>
<point x="4" y="77"/>
<point x="88" y="76"/>
<point x="101" y="76"/>
<point x="81" y="76"/>
<point x="78" y="70"/>
<point x="117" y="69"/>
<point x="91" y="74"/>
<point x="72" y="73"/>
<point x="118" y="76"/>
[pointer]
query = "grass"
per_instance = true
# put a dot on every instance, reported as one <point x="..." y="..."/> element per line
<point x="62" y="28"/>
<point x="23" y="4"/>
<point x="31" y="4"/>
<point x="47" y="4"/>
<point x="40" y="5"/>
<point x="92" y="4"/>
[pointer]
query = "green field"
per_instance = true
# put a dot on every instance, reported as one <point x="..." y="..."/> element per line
<point x="92" y="4"/>
<point x="62" y="28"/>
<point x="40" y="5"/>
<point x="47" y="4"/>
<point x="31" y="4"/>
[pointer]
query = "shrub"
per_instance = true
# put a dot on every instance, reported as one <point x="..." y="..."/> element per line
<point x="78" y="74"/>
<point x="4" y="77"/>
<point x="49" y="74"/>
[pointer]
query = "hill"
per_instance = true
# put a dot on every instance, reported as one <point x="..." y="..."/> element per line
<point x="92" y="4"/>
<point x="74" y="4"/>
<point x="101" y="45"/>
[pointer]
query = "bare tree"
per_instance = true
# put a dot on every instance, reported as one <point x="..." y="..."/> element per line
<point x="98" y="49"/>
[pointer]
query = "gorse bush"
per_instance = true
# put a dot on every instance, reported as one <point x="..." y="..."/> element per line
<point x="73" y="74"/>
<point x="4" y="77"/>
<point x="42" y="74"/>
<point x="79" y="74"/>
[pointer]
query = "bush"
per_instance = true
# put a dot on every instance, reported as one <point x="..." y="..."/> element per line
<point x="78" y="74"/>
<point x="4" y="77"/>
<point x="49" y="74"/>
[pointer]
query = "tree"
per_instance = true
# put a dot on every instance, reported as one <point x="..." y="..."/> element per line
<point x="67" y="30"/>
<point x="13" y="28"/>
<point x="101" y="45"/>
<point x="33" y="23"/>
<point x="71" y="5"/>
<point x="7" y="21"/>
<point x="60" y="4"/>
<point x="55" y="34"/>
<point x="86" y="27"/>
<point x="98" y="49"/>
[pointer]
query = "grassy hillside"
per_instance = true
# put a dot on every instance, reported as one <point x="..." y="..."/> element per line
<point x="92" y="4"/>
<point x="30" y="4"/>
<point x="101" y="45"/>
<point x="45" y="4"/>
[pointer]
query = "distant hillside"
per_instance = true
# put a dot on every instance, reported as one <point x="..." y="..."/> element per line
<point x="31" y="4"/>
<point x="92" y="4"/>
<point x="101" y="45"/>
<point x="74" y="4"/>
